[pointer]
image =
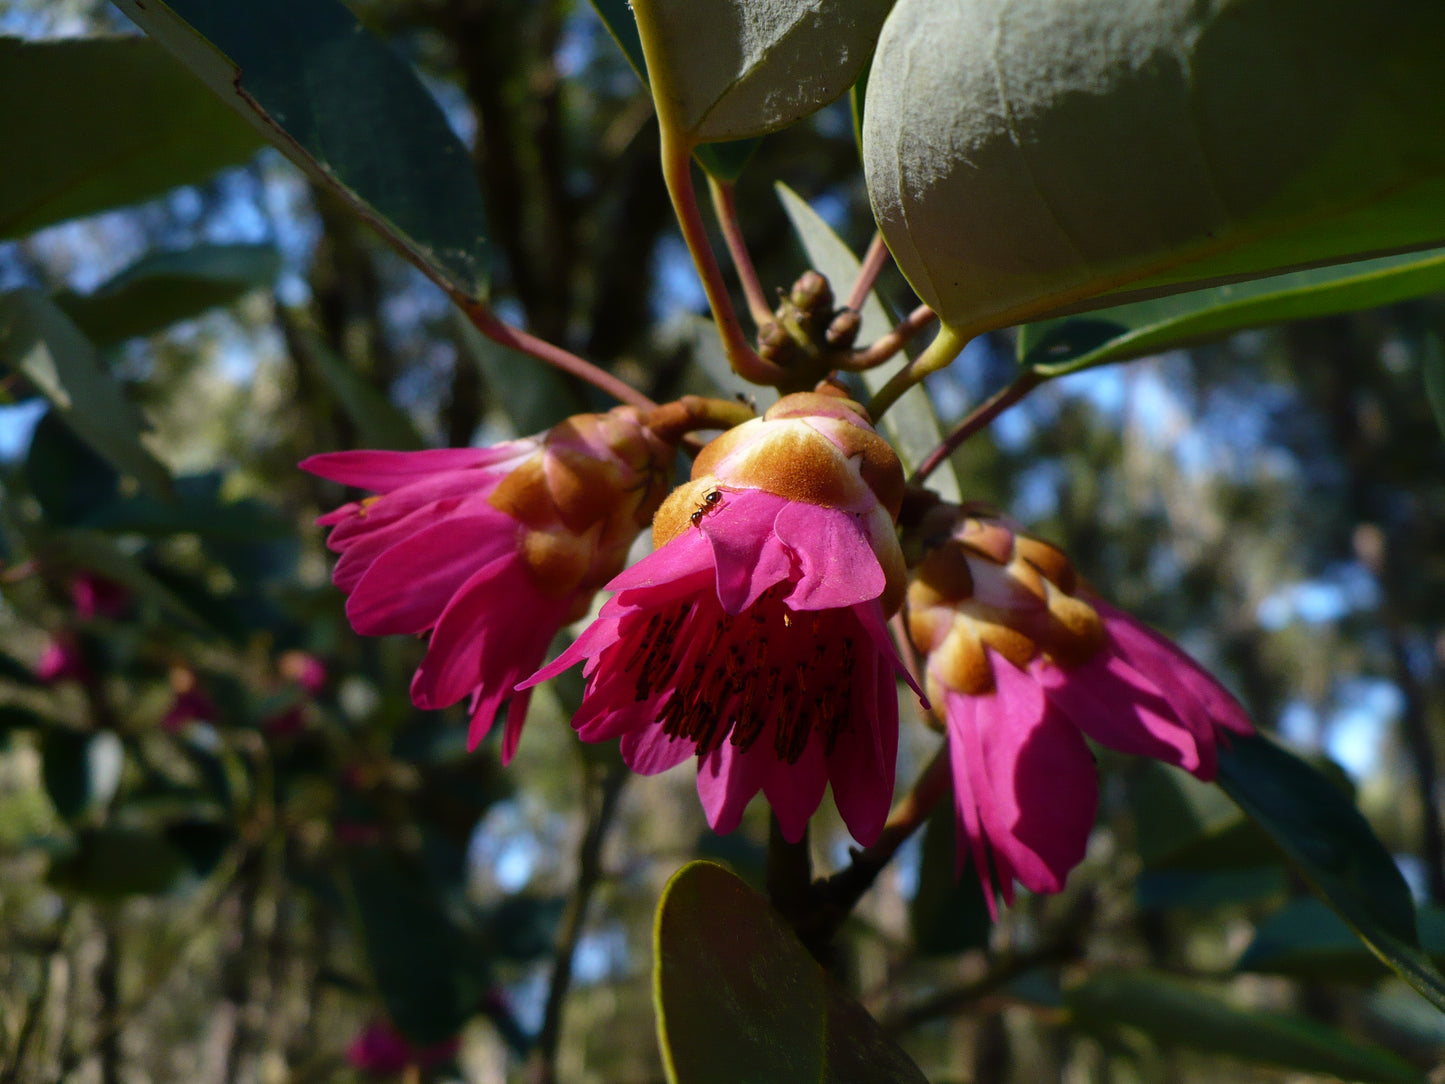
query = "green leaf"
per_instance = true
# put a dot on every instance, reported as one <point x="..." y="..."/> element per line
<point x="1161" y="890"/>
<point x="725" y="161"/>
<point x="166" y="287"/>
<point x="910" y="424"/>
<point x="1175" y="1015"/>
<point x="193" y="512"/>
<point x="1181" y="824"/>
<point x="532" y="397"/>
<point x="430" y="976"/>
<point x="1306" y="940"/>
<point x="345" y="108"/>
<point x="1027" y="157"/>
<point x="40" y="341"/>
<point x="379" y="422"/>
<point x="948" y="913"/>
<point x="102" y="122"/>
<point x="1069" y="344"/>
<point x="112" y="863"/>
<point x="88" y="551"/>
<point x="1333" y="846"/>
<point x="729" y="69"/>
<point x="81" y="770"/>
<point x="738" y="998"/>
<point x="66" y="478"/>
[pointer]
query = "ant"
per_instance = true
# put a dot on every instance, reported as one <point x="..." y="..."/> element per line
<point x="709" y="504"/>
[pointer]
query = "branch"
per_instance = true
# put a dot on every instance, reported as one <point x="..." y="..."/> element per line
<point x="1000" y="401"/>
<point x="589" y="872"/>
<point x="505" y="335"/>
<point x="946" y="346"/>
<point x="727" y="216"/>
<point x="884" y="348"/>
<point x="873" y="263"/>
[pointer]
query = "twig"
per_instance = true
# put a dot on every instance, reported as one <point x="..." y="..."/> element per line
<point x="677" y="173"/>
<point x="589" y="872"/>
<point x="790" y="876"/>
<point x="35" y="1008"/>
<point x="996" y="405"/>
<point x="1003" y="972"/>
<point x="727" y="216"/>
<point x="885" y="347"/>
<point x="487" y="323"/>
<point x="946" y="346"/>
<point x="874" y="261"/>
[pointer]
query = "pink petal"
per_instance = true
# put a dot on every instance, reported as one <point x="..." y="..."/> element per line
<point x="1119" y="707"/>
<point x="864" y="759"/>
<point x="793" y="790"/>
<point x="727" y="779"/>
<point x="1202" y="700"/>
<point x="381" y="472"/>
<point x="839" y="566"/>
<point x="649" y="750"/>
<point x="409" y="585"/>
<point x="516" y="716"/>
<point x="1031" y="778"/>
<point x="748" y="556"/>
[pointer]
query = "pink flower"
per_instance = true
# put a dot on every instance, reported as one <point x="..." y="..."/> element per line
<point x="191" y="705"/>
<point x="305" y="669"/>
<point x="1022" y="663"/>
<point x="491" y="550"/>
<point x="754" y="636"/>
<point x="381" y="1050"/>
<point x="61" y="660"/>
<point x="96" y="596"/>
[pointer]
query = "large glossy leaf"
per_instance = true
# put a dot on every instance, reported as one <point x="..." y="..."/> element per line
<point x="724" y="161"/>
<point x="40" y="341"/>
<point x="166" y="287"/>
<point x="1068" y="344"/>
<point x="345" y="108"/>
<point x="95" y="123"/>
<point x="429" y="974"/>
<point x="1183" y="825"/>
<point x="1175" y="1015"/>
<point x="910" y="423"/>
<point x="1307" y="940"/>
<point x="738" y="998"/>
<point x="1027" y="157"/>
<point x="729" y="69"/>
<point x="1332" y="845"/>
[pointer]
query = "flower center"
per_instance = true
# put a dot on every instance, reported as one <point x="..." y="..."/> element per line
<point x="727" y="676"/>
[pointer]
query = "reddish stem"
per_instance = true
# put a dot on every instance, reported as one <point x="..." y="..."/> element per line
<point x="888" y="345"/>
<point x="727" y="215"/>
<point x="874" y="261"/>
<point x="1001" y="401"/>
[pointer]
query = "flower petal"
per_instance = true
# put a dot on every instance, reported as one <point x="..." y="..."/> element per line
<point x="839" y="566"/>
<point x="863" y="763"/>
<point x="649" y="750"/>
<point x="746" y="552"/>
<point x="381" y="472"/>
<point x="407" y="587"/>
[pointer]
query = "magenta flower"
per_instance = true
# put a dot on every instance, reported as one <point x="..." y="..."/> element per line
<point x="381" y="1050"/>
<point x="61" y="660"/>
<point x="491" y="550"/>
<point x="1022" y="663"/>
<point x="754" y="636"/>
<point x="96" y="596"/>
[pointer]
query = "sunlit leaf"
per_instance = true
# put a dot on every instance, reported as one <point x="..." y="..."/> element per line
<point x="40" y="341"/>
<point x="167" y="287"/>
<point x="1071" y="343"/>
<point x="345" y="108"/>
<point x="96" y="123"/>
<point x="724" y="161"/>
<point x="1331" y="843"/>
<point x="1030" y="157"/>
<point x="739" y="998"/>
<point x="910" y="424"/>
<point x="1172" y="1014"/>
<point x="729" y="69"/>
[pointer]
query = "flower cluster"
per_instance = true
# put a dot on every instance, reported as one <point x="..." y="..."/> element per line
<point x="754" y="638"/>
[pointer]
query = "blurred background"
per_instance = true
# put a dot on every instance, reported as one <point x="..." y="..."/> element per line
<point x="231" y="849"/>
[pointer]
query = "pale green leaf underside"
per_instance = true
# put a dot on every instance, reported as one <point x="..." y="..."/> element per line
<point x="1028" y="157"/>
<point x="729" y="69"/>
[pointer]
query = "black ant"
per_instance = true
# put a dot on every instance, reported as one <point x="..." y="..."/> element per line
<point x="709" y="504"/>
